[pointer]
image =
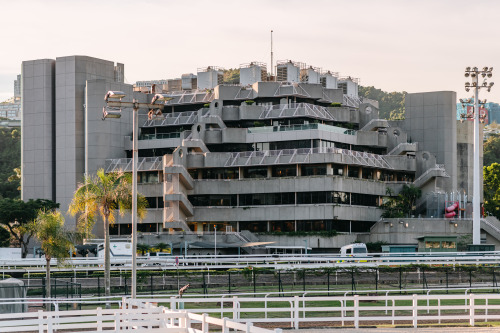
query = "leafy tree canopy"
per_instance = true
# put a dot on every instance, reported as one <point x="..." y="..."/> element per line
<point x="232" y="76"/>
<point x="391" y="104"/>
<point x="16" y="215"/>
<point x="491" y="150"/>
<point x="403" y="204"/>
<point x="10" y="158"/>
<point x="491" y="189"/>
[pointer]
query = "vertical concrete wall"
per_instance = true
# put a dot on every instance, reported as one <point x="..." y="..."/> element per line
<point x="37" y="129"/>
<point x="431" y="121"/>
<point x="465" y="156"/>
<point x="72" y="74"/>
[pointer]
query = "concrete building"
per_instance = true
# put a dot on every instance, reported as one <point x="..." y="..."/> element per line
<point x="55" y="142"/>
<point x="262" y="156"/>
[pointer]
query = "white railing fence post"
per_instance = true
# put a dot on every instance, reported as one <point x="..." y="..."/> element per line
<point x="249" y="327"/>
<point x="173" y="303"/>
<point x="224" y="325"/>
<point x="49" y="322"/>
<point x="415" y="310"/>
<point x="296" y="312"/>
<point x="204" y="324"/>
<point x="40" y="321"/>
<point x="117" y="322"/>
<point x="356" y="311"/>
<point x="235" y="308"/>
<point x="471" y="309"/>
<point x="99" y="319"/>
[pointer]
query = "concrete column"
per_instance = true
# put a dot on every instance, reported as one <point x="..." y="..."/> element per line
<point x="360" y="172"/>
<point x="200" y="174"/>
<point x="329" y="169"/>
<point x="299" y="173"/>
<point x="268" y="226"/>
<point x="199" y="228"/>
<point x="269" y="171"/>
<point x="240" y="173"/>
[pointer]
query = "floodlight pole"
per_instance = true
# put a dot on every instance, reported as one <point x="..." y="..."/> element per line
<point x="476" y="195"/>
<point x="135" y="157"/>
<point x="474" y="74"/>
<point x="135" y="105"/>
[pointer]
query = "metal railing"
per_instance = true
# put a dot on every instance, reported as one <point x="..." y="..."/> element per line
<point x="125" y="164"/>
<point x="177" y="118"/>
<point x="295" y="110"/>
<point x="301" y="155"/>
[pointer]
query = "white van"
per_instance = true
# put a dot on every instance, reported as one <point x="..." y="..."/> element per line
<point x="356" y="249"/>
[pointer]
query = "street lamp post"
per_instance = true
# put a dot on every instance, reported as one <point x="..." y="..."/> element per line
<point x="474" y="74"/>
<point x="113" y="107"/>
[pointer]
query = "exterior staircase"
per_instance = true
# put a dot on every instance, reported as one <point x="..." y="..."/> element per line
<point x="491" y="225"/>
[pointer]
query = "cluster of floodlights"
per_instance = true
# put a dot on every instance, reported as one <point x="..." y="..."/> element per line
<point x="474" y="73"/>
<point x="468" y="101"/>
<point x="114" y="104"/>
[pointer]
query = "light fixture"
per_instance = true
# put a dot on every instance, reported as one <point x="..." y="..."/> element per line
<point x="114" y="95"/>
<point x="109" y="112"/>
<point x="161" y="98"/>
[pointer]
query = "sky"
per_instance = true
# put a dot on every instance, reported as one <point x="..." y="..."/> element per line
<point x="394" y="45"/>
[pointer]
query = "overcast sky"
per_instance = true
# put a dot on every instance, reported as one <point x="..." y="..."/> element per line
<point x="394" y="45"/>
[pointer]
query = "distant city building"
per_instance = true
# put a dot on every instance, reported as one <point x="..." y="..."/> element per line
<point x="17" y="87"/>
<point x="11" y="109"/>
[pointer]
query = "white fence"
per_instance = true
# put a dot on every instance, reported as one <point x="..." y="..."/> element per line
<point x="278" y="261"/>
<point x="147" y="319"/>
<point x="346" y="310"/>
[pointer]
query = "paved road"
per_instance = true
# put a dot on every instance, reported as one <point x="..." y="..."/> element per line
<point x="399" y="330"/>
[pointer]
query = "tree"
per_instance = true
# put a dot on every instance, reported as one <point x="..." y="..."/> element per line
<point x="231" y="76"/>
<point x="10" y="158"/>
<point x="403" y="204"/>
<point x="55" y="241"/>
<point x="16" y="215"/>
<point x="491" y="151"/>
<point x="491" y="188"/>
<point x="161" y="246"/>
<point x="392" y="105"/>
<point x="102" y="195"/>
<point x="143" y="248"/>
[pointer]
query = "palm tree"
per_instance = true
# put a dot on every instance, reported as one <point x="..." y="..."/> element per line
<point x="103" y="195"/>
<point x="143" y="248"/>
<point x="56" y="242"/>
<point x="161" y="246"/>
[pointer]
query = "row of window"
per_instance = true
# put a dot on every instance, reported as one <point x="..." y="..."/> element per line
<point x="152" y="177"/>
<point x="261" y="226"/>
<point x="286" y="198"/>
<point x="305" y="170"/>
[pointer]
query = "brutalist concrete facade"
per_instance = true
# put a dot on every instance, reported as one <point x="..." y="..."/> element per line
<point x="54" y="124"/>
<point x="271" y="156"/>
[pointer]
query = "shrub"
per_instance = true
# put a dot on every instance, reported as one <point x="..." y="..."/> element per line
<point x="336" y="105"/>
<point x="249" y="102"/>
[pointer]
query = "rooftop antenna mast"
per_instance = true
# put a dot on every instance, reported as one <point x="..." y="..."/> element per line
<point x="272" y="55"/>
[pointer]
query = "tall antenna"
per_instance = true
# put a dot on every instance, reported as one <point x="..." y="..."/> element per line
<point x="272" y="54"/>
